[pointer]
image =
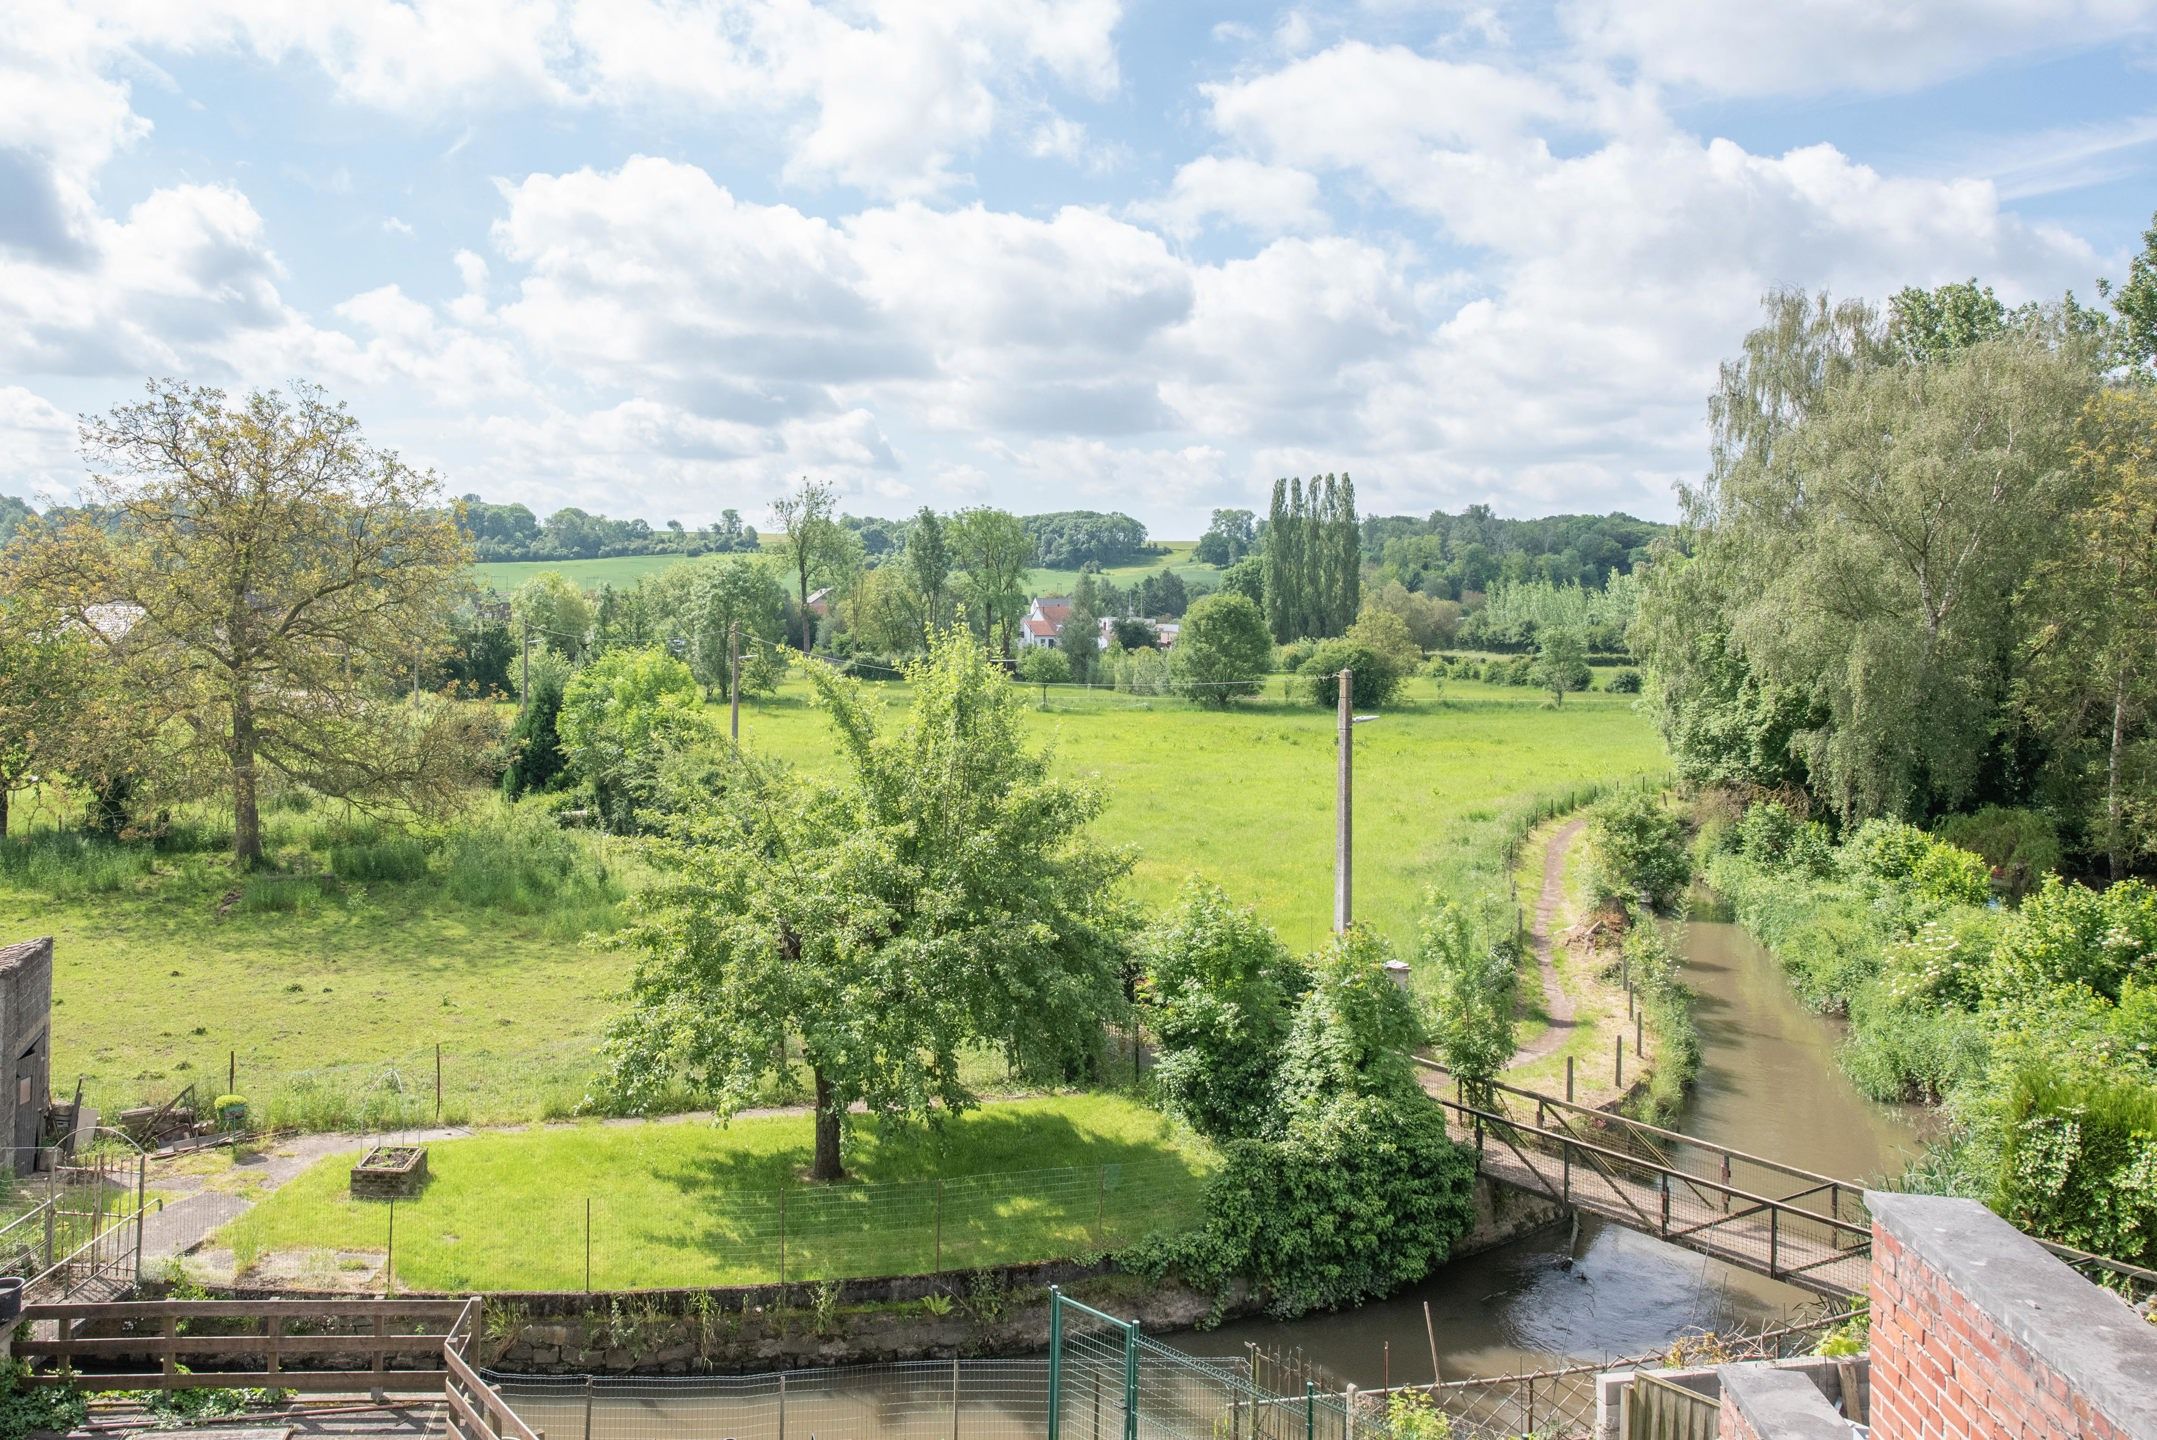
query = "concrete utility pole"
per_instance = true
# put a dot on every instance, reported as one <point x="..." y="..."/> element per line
<point x="1344" y="843"/>
<point x="733" y="678"/>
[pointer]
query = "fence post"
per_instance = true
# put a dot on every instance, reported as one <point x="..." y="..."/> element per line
<point x="1130" y="1380"/>
<point x="1666" y="1207"/>
<point x="437" y="1082"/>
<point x="1638" y="1018"/>
<point x="587" y="1407"/>
<point x="389" y="1258"/>
<point x="1773" y="1214"/>
<point x="954" y="1397"/>
<point x="1568" y="1079"/>
<point x="782" y="1244"/>
<point x="782" y="1405"/>
<point x="1617" y="1071"/>
<point x="1100" y="1204"/>
<point x="1056" y="1362"/>
<point x="1726" y="1182"/>
<point x="939" y="1223"/>
<point x="142" y="1200"/>
<point x="587" y="1244"/>
<point x="1310" y="1410"/>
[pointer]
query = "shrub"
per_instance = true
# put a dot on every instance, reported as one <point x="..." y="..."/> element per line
<point x="1899" y="855"/>
<point x="1375" y="676"/>
<point x="1219" y="991"/>
<point x="1639" y="849"/>
<point x="1471" y="989"/>
<point x="1625" y="682"/>
<point x="2021" y="846"/>
<point x="2071" y="935"/>
<point x="1222" y="650"/>
<point x="1359" y="1200"/>
<point x="2078" y="1163"/>
<point x="536" y="760"/>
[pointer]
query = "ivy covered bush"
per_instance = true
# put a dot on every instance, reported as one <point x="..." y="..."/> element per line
<point x="1338" y="1183"/>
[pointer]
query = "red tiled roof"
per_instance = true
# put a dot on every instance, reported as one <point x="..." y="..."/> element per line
<point x="1040" y="627"/>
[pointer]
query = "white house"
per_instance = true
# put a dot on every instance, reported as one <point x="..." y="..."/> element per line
<point x="1044" y="622"/>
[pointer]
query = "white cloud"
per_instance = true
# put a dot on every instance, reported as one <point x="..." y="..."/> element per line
<point x="395" y="226"/>
<point x="37" y="448"/>
<point x="1267" y="199"/>
<point x="1830" y="45"/>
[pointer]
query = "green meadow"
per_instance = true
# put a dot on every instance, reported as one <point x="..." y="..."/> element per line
<point x="334" y="981"/>
<point x="505" y="576"/>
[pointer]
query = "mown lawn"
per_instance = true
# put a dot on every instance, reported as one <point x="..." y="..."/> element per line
<point x="683" y="1203"/>
<point x="336" y="1004"/>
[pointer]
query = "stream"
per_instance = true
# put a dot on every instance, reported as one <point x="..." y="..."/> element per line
<point x="1768" y="1083"/>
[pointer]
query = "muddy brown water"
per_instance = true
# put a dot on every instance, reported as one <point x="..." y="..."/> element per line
<point x="1768" y="1083"/>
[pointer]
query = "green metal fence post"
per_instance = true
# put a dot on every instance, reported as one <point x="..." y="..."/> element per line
<point x="1056" y="1361"/>
<point x="1130" y="1380"/>
<point x="1310" y="1410"/>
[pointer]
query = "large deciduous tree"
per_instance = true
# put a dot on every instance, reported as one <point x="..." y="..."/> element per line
<point x="812" y="542"/>
<point x="269" y="582"/>
<point x="1222" y="651"/>
<point x="942" y="893"/>
<point x="995" y="551"/>
<point x="45" y="674"/>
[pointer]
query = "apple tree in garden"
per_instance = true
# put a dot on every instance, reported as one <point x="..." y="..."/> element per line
<point x="942" y="892"/>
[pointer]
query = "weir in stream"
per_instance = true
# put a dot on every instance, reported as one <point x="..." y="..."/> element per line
<point x="1768" y="1083"/>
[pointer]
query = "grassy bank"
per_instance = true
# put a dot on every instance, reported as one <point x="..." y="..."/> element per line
<point x="686" y="1203"/>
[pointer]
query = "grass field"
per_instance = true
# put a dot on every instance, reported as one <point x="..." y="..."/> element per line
<point x="622" y="570"/>
<point x="682" y="1203"/>
<point x="1246" y="797"/>
<point x="334" y="996"/>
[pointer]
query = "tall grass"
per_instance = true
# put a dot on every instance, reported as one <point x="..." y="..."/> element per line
<point x="70" y="866"/>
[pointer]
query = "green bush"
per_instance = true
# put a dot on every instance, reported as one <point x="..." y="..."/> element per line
<point x="1906" y="1052"/>
<point x="2078" y="1163"/>
<point x="27" y="1409"/>
<point x="1625" y="682"/>
<point x="2071" y="935"/>
<point x="1638" y="850"/>
<point x="1219" y="991"/>
<point x="1898" y="855"/>
<point x="1376" y="675"/>
<point x="2021" y="846"/>
<point x="1360" y="1199"/>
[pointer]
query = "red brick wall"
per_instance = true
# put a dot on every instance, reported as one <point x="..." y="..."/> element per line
<point x="1943" y="1370"/>
<point x="1732" y="1424"/>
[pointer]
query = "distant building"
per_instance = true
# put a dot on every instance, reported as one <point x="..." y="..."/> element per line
<point x="819" y="603"/>
<point x="1044" y="622"/>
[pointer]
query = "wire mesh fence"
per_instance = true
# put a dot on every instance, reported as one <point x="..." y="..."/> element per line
<point x="908" y="1400"/>
<point x="565" y="1241"/>
<point x="1106" y="1380"/>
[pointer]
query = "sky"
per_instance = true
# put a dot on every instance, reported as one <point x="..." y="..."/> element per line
<point x="664" y="257"/>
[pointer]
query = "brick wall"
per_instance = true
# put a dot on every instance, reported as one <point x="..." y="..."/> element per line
<point x="1978" y="1332"/>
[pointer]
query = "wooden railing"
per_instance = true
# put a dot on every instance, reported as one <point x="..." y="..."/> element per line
<point x="477" y="1411"/>
<point x="376" y="1332"/>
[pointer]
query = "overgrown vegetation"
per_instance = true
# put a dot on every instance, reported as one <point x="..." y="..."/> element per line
<point x="1338" y="1182"/>
<point x="2035" y="1026"/>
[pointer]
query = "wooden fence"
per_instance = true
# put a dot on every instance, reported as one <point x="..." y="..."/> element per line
<point x="378" y="1335"/>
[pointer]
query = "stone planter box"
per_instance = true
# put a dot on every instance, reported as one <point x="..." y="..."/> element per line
<point x="390" y="1172"/>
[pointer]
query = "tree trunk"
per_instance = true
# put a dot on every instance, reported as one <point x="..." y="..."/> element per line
<point x="2112" y="776"/>
<point x="246" y="819"/>
<point x="826" y="1166"/>
<point x="4" y="796"/>
<point x="807" y="619"/>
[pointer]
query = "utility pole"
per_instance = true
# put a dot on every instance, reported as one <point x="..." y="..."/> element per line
<point x="1344" y="854"/>
<point x="524" y="664"/>
<point x="733" y="678"/>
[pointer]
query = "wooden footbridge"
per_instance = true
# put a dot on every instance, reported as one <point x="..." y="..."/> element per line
<point x="1778" y="1220"/>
